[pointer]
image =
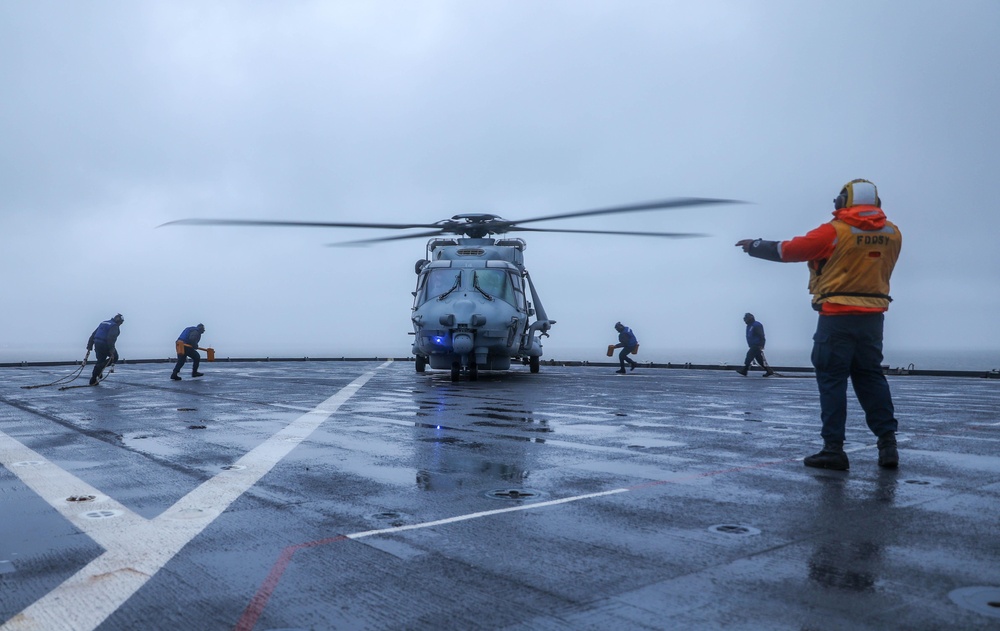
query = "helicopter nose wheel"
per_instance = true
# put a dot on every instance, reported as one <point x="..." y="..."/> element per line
<point x="456" y="368"/>
<point x="420" y="363"/>
<point x="473" y="371"/>
<point x="533" y="363"/>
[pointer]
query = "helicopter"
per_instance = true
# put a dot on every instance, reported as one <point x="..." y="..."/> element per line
<point x="471" y="308"/>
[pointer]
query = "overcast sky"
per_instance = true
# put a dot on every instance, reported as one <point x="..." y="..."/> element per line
<point x="119" y="116"/>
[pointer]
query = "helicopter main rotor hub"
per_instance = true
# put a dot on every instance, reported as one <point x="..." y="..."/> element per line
<point x="476" y="225"/>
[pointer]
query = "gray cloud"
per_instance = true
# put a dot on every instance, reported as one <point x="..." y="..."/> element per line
<point x="119" y="117"/>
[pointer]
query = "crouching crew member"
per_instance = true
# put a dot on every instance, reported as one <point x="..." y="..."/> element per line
<point x="851" y="259"/>
<point x="187" y="346"/>
<point x="628" y="343"/>
<point x="103" y="340"/>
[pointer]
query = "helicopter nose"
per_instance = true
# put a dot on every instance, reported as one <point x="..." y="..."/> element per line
<point x="463" y="310"/>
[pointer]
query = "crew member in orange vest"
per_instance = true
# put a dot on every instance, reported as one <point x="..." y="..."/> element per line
<point x="850" y="261"/>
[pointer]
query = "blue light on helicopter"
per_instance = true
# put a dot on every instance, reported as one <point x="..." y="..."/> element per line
<point x="438" y="339"/>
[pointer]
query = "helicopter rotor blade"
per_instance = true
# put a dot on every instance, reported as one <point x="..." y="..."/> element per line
<point x="473" y="226"/>
<point x="419" y="235"/>
<point x="680" y="202"/>
<point x="669" y="235"/>
<point x="293" y="224"/>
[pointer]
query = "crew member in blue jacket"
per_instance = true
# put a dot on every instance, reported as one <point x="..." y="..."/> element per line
<point x="103" y="341"/>
<point x="755" y="340"/>
<point x="628" y="343"/>
<point x="187" y="346"/>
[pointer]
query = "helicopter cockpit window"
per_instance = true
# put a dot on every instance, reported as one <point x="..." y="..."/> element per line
<point x="440" y="281"/>
<point x="496" y="283"/>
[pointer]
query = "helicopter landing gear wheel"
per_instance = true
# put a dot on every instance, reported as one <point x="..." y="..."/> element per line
<point x="455" y="369"/>
<point x="420" y="363"/>
<point x="533" y="363"/>
<point x="473" y="371"/>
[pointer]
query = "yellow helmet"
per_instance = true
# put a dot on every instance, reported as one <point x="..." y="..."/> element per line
<point x="857" y="193"/>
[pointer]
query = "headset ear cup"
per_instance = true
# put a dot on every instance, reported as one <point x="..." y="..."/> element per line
<point x="878" y="201"/>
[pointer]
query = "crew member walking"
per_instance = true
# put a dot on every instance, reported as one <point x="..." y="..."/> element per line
<point x="851" y="259"/>
<point x="628" y="343"/>
<point x="187" y="346"/>
<point x="103" y="340"/>
<point x="755" y="340"/>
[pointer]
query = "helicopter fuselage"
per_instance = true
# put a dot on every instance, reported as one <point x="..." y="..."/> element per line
<point x="471" y="309"/>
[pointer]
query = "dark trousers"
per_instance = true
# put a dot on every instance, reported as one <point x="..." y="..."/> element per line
<point x="755" y="353"/>
<point x="850" y="346"/>
<point x="623" y="357"/>
<point x="104" y="357"/>
<point x="189" y="351"/>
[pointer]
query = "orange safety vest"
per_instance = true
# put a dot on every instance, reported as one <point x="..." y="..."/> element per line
<point x="857" y="272"/>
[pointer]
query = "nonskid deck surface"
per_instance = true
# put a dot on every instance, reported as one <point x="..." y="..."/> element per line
<point x="353" y="495"/>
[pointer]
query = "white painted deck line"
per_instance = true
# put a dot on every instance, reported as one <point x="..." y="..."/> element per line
<point x="136" y="548"/>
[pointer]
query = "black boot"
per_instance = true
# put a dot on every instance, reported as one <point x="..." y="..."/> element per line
<point x="742" y="371"/>
<point x="888" y="457"/>
<point x="832" y="456"/>
<point x="175" y="376"/>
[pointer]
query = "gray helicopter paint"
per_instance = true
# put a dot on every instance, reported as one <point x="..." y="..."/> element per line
<point x="570" y="498"/>
<point x="510" y="251"/>
<point x="461" y="327"/>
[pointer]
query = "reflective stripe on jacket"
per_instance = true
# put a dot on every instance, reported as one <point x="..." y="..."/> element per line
<point x="851" y="255"/>
<point x="857" y="272"/>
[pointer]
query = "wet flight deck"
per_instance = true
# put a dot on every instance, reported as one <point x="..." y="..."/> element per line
<point x="361" y="495"/>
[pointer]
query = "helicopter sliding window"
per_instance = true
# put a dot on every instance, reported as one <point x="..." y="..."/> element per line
<point x="441" y="281"/>
<point x="496" y="283"/>
<point x="518" y="289"/>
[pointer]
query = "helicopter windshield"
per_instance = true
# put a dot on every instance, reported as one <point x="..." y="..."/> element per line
<point x="496" y="283"/>
<point x="440" y="281"/>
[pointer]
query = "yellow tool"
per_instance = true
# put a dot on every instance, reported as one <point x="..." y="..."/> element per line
<point x="211" y="351"/>
<point x="611" y="350"/>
